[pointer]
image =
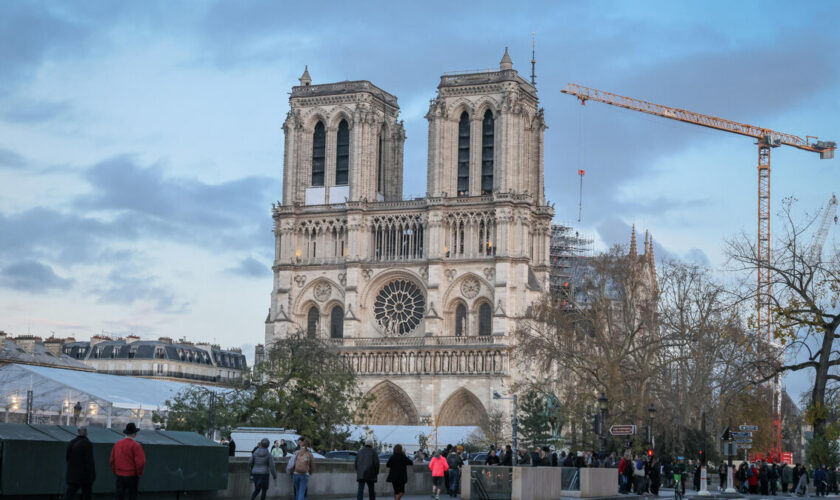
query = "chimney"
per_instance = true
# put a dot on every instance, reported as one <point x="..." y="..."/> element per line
<point x="165" y="340"/>
<point x="96" y="339"/>
<point x="54" y="346"/>
<point x="27" y="342"/>
<point x="130" y="339"/>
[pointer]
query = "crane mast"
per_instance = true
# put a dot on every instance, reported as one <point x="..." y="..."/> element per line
<point x="830" y="212"/>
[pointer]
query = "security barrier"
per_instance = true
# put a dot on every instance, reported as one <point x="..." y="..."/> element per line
<point x="33" y="460"/>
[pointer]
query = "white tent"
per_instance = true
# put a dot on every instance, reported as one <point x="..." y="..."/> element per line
<point x="103" y="397"/>
<point x="409" y="435"/>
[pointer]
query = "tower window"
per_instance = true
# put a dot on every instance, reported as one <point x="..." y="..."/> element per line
<point x="464" y="155"/>
<point x="312" y="318"/>
<point x="487" y="130"/>
<point x="319" y="142"/>
<point x="342" y="154"/>
<point x="337" y="322"/>
<point x="460" y="320"/>
<point x="380" y="163"/>
<point x="485" y="319"/>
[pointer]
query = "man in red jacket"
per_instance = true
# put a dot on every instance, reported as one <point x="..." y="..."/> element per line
<point x="127" y="463"/>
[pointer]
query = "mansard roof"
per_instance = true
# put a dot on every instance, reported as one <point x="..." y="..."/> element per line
<point x="345" y="87"/>
<point x="156" y="349"/>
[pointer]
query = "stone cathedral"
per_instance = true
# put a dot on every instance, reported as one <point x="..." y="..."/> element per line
<point x="420" y="295"/>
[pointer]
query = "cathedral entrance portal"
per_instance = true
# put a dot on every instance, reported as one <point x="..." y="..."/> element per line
<point x="390" y="405"/>
<point x="462" y="408"/>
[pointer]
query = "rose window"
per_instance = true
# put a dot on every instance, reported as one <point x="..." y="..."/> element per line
<point x="399" y="307"/>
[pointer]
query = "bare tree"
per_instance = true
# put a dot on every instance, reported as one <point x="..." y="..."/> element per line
<point x="804" y="299"/>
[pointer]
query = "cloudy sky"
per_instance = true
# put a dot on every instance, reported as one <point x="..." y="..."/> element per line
<point x="141" y="142"/>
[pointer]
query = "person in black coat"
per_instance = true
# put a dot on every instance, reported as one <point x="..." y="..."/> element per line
<point x="367" y="470"/>
<point x="232" y="447"/>
<point x="398" y="471"/>
<point x="81" y="471"/>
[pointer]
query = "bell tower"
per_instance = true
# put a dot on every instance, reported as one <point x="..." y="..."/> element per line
<point x="486" y="135"/>
<point x="343" y="142"/>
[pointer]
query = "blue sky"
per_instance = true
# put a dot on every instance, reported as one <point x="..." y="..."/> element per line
<point x="141" y="142"/>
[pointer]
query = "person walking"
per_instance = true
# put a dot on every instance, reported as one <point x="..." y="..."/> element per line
<point x="820" y="480"/>
<point x="276" y="451"/>
<point x="507" y="458"/>
<point x="301" y="465"/>
<point x="722" y="476"/>
<point x="655" y="477"/>
<point x="454" y="462"/>
<point x="774" y="478"/>
<point x="438" y="465"/>
<point x="802" y="485"/>
<point x="398" y="471"/>
<point x="127" y="463"/>
<point x="284" y="447"/>
<point x="367" y="470"/>
<point x="261" y="464"/>
<point x="231" y="446"/>
<point x="786" y="474"/>
<point x="81" y="471"/>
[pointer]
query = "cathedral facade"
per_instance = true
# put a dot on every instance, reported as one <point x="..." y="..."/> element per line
<point x="421" y="295"/>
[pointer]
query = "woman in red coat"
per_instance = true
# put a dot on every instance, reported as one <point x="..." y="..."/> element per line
<point x="438" y="466"/>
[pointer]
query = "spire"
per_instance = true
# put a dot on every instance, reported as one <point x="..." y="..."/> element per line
<point x="506" y="62"/>
<point x="633" y="242"/>
<point x="647" y="238"/>
<point x="534" y="59"/>
<point x="650" y="251"/>
<point x="305" y="79"/>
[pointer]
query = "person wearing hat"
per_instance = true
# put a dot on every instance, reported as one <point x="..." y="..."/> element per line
<point x="81" y="471"/>
<point x="127" y="463"/>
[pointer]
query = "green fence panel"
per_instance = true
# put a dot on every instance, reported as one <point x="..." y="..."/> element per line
<point x="206" y="465"/>
<point x="25" y="456"/>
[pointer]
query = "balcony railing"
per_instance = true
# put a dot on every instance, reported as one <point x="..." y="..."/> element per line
<point x="419" y="341"/>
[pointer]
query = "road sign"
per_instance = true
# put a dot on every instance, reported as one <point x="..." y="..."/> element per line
<point x="748" y="427"/>
<point x="622" y="430"/>
<point x="737" y="435"/>
<point x="743" y="440"/>
<point x="787" y="457"/>
<point x="745" y="446"/>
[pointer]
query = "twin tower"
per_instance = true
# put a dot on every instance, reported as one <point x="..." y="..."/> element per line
<point x="421" y="296"/>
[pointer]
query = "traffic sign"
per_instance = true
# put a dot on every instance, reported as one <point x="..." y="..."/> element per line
<point x="743" y="440"/>
<point x="745" y="446"/>
<point x="622" y="430"/>
<point x="787" y="457"/>
<point x="736" y="434"/>
<point x="748" y="427"/>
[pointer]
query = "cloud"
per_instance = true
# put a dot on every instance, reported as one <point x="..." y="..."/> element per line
<point x="9" y="158"/>
<point x="250" y="268"/>
<point x="614" y="231"/>
<point x="126" y="286"/>
<point x="32" y="276"/>
<point x="34" y="111"/>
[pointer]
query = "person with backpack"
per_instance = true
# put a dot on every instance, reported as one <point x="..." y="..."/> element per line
<point x="438" y="465"/>
<point x="301" y="465"/>
<point x="454" y="462"/>
<point x="261" y="464"/>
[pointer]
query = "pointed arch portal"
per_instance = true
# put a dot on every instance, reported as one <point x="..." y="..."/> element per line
<point x="390" y="405"/>
<point x="462" y="408"/>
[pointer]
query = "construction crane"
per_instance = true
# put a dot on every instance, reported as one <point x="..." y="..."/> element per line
<point x="766" y="139"/>
<point x="815" y="252"/>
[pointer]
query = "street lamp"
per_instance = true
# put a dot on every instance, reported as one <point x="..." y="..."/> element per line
<point x="77" y="410"/>
<point x="603" y="403"/>
<point x="651" y="414"/>
<point x="514" y="422"/>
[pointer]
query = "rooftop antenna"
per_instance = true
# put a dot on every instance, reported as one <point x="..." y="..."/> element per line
<point x="533" y="58"/>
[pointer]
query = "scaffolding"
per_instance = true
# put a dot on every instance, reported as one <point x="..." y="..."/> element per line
<point x="565" y="246"/>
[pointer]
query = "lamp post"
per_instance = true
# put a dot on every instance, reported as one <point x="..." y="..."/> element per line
<point x="603" y="403"/>
<point x="651" y="414"/>
<point x="514" y="422"/>
<point x="77" y="410"/>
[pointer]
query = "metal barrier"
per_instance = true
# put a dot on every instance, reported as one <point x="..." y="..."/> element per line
<point x="32" y="460"/>
<point x="491" y="482"/>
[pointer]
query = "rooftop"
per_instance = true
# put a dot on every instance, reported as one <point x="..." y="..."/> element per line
<point x="345" y="87"/>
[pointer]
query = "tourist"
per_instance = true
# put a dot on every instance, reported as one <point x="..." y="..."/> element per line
<point x="492" y="458"/>
<point x="438" y="465"/>
<point x="743" y="478"/>
<point x="231" y="446"/>
<point x="260" y="465"/>
<point x="454" y="462"/>
<point x="773" y="473"/>
<point x="507" y="458"/>
<point x="654" y="477"/>
<point x="398" y="471"/>
<point x="127" y="463"/>
<point x="81" y="471"/>
<point x="786" y="476"/>
<point x="763" y="478"/>
<point x="802" y="484"/>
<point x="367" y="470"/>
<point x="820" y="480"/>
<point x="276" y="451"/>
<point x="302" y="465"/>
<point x="722" y="476"/>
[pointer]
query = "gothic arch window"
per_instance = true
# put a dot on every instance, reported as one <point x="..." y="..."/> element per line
<point x="380" y="163"/>
<point x="460" y="320"/>
<point x="312" y="318"/>
<point x="464" y="155"/>
<point x="485" y="319"/>
<point x="487" y="137"/>
<point x="342" y="154"/>
<point x="337" y="322"/>
<point x="319" y="144"/>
